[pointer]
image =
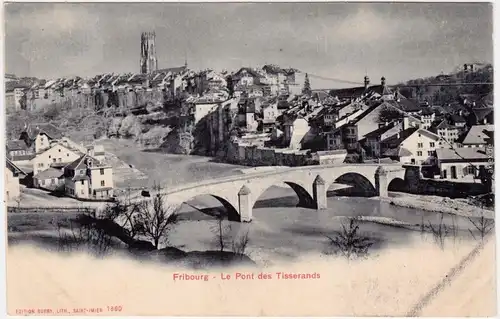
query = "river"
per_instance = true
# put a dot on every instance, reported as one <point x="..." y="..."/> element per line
<point x="280" y="230"/>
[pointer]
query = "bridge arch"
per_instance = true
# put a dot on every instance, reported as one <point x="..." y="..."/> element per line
<point x="397" y="184"/>
<point x="304" y="196"/>
<point x="229" y="211"/>
<point x="362" y="184"/>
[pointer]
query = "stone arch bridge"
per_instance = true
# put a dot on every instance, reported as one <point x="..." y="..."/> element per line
<point x="238" y="194"/>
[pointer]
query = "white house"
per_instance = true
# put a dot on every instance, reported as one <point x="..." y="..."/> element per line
<point x="41" y="134"/>
<point x="412" y="146"/>
<point x="448" y="134"/>
<point x="50" y="179"/>
<point x="12" y="174"/>
<point x="461" y="163"/>
<point x="56" y="156"/>
<point x="88" y="178"/>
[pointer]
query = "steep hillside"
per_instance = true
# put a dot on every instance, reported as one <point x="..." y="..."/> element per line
<point x="447" y="93"/>
<point x="148" y="125"/>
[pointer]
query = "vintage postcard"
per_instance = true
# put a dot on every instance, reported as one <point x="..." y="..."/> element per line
<point x="249" y="159"/>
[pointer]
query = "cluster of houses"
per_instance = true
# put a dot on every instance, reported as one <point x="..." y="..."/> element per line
<point x="366" y="123"/>
<point x="269" y="118"/>
<point x="44" y="158"/>
<point x="200" y="86"/>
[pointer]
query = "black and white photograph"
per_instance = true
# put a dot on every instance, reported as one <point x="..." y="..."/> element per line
<point x="249" y="159"/>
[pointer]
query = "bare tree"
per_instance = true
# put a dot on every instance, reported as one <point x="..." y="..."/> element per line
<point x="440" y="231"/>
<point x="483" y="226"/>
<point x="154" y="218"/>
<point x="220" y="230"/>
<point x="349" y="243"/>
<point x="240" y="244"/>
<point x="127" y="221"/>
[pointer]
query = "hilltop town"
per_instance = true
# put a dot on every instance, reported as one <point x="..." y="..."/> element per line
<point x="254" y="116"/>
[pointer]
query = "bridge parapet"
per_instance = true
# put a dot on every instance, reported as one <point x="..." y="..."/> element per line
<point x="239" y="193"/>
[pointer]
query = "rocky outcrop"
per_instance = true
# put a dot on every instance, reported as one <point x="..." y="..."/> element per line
<point x="178" y="143"/>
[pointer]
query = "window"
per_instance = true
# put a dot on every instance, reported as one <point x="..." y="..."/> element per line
<point x="82" y="172"/>
<point x="102" y="171"/>
<point x="59" y="150"/>
<point x="82" y="191"/>
<point x="430" y="153"/>
<point x="420" y="145"/>
<point x="53" y="160"/>
<point x="67" y="154"/>
<point x="419" y="153"/>
<point x="82" y="182"/>
<point x="54" y="180"/>
<point x="471" y="170"/>
<point x="50" y="156"/>
<point x="59" y="160"/>
<point x="43" y="182"/>
<point x="432" y="144"/>
<point x="102" y="183"/>
<point x="419" y="135"/>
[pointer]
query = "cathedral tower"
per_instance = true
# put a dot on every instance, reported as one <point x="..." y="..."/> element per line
<point x="149" y="63"/>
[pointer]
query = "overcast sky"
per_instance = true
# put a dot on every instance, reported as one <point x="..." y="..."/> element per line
<point x="338" y="40"/>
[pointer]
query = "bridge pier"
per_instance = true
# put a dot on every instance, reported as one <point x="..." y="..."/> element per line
<point x="382" y="182"/>
<point x="319" y="193"/>
<point x="245" y="204"/>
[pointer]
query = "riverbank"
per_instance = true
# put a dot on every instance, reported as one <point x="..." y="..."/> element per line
<point x="456" y="206"/>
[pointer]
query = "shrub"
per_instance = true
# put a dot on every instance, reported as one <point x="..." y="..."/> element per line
<point x="130" y="127"/>
<point x="349" y="243"/>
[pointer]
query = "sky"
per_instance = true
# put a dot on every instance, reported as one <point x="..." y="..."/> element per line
<point x="399" y="41"/>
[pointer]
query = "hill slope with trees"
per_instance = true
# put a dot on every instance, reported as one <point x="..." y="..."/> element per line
<point x="428" y="89"/>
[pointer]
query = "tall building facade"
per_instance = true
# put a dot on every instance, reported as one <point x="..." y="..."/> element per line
<point x="149" y="63"/>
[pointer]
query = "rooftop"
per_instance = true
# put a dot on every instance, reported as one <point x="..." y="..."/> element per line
<point x="445" y="125"/>
<point x="80" y="163"/>
<point x="380" y="130"/>
<point x="13" y="167"/>
<point x="15" y="145"/>
<point x="49" y="174"/>
<point x="467" y="153"/>
<point x="49" y="129"/>
<point x="476" y="134"/>
<point x="398" y="151"/>
<point x="397" y="139"/>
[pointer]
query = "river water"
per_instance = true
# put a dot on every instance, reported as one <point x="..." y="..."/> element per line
<point x="281" y="231"/>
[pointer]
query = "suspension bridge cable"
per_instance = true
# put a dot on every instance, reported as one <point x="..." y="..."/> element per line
<point x="398" y="85"/>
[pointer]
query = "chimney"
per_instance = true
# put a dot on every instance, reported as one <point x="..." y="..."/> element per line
<point x="367" y="81"/>
<point x="406" y="123"/>
<point x="382" y="81"/>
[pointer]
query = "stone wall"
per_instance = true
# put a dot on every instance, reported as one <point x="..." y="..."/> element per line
<point x="254" y="155"/>
<point x="416" y="184"/>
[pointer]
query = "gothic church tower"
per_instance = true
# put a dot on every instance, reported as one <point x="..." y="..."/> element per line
<point x="149" y="63"/>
